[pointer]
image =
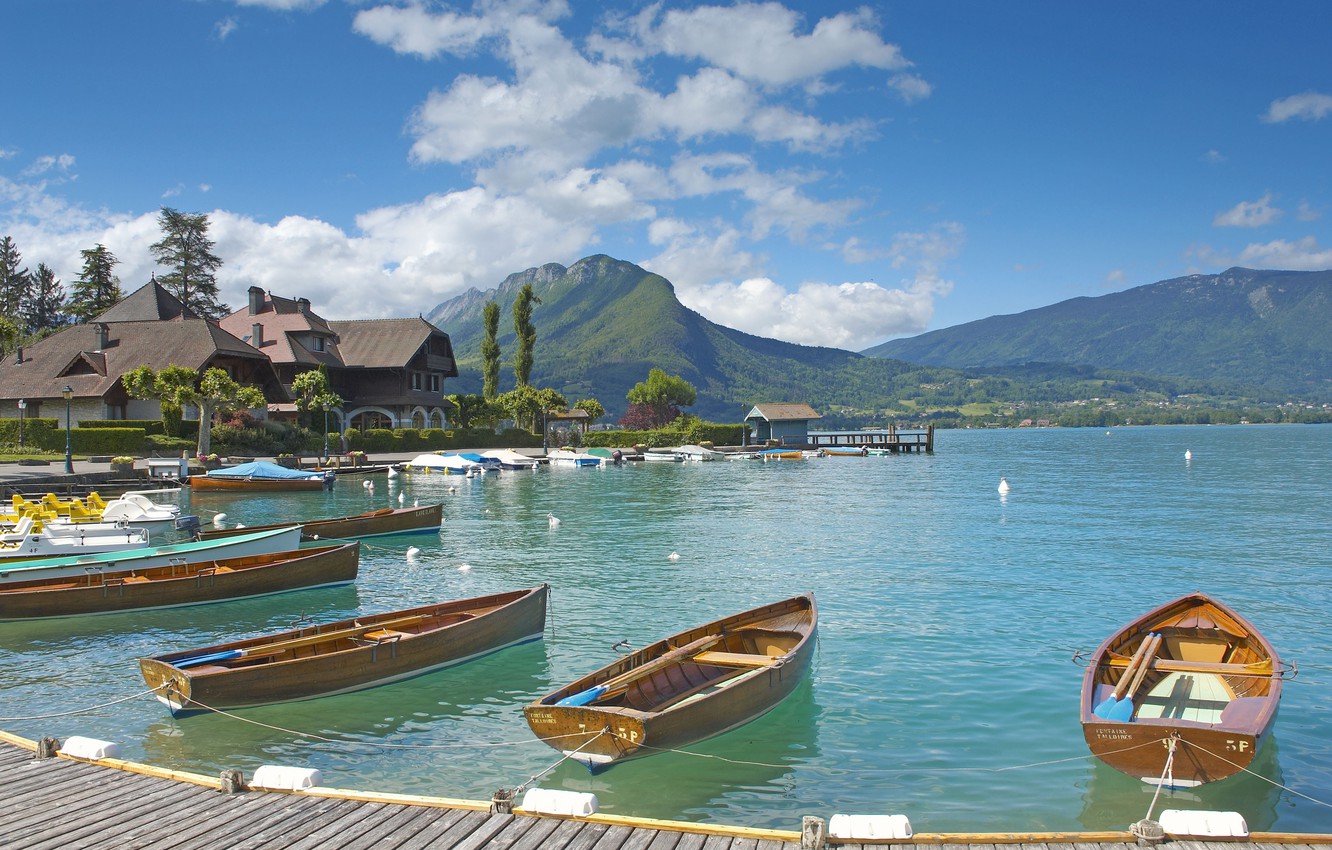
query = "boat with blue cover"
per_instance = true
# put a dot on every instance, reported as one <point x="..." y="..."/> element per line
<point x="260" y="475"/>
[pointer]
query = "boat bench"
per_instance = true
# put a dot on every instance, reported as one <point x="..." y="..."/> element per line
<point x="385" y="635"/>
<point x="1171" y="665"/>
<point x="734" y="659"/>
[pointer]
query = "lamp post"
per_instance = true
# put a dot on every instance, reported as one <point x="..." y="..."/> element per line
<point x="23" y="406"/>
<point x="68" y="393"/>
<point x="325" y="406"/>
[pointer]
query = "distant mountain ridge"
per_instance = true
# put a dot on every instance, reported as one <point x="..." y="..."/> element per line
<point x="1258" y="328"/>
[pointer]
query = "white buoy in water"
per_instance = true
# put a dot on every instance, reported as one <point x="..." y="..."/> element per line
<point x="365" y="482"/>
<point x="416" y="503"/>
<point x="412" y="551"/>
<point x="402" y="497"/>
<point x="218" y="519"/>
<point x="553" y="520"/>
<point x="674" y="556"/>
<point x="1003" y="485"/>
<point x="240" y="525"/>
<point x="462" y="568"/>
<point x="1188" y="455"/>
<point x="392" y="473"/>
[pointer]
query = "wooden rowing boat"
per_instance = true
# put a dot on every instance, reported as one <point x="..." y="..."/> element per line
<point x="1183" y="695"/>
<point x="380" y="523"/>
<point x="261" y="476"/>
<point x="176" y="585"/>
<point x="281" y="539"/>
<point x="348" y="655"/>
<point x="699" y="683"/>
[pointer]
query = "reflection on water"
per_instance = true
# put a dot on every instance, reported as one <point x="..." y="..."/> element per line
<point x="1113" y="800"/>
<point x="941" y="689"/>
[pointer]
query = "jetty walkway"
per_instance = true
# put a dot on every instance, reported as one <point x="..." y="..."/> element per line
<point x="66" y="803"/>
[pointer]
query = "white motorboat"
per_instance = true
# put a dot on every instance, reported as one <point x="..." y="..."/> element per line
<point x="564" y="457"/>
<point x="443" y="465"/>
<point x="54" y="539"/>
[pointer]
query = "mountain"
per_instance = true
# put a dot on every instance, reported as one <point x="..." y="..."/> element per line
<point x="1258" y="328"/>
<point x="602" y="324"/>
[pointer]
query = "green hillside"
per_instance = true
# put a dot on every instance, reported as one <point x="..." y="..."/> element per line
<point x="603" y="324"/>
<point x="1259" y="328"/>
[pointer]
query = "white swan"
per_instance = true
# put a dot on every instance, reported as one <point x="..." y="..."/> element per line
<point x="412" y="552"/>
<point x="553" y="520"/>
<point x="674" y="556"/>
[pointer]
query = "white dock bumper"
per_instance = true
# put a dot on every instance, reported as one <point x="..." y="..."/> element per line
<point x="553" y="802"/>
<point x="89" y="748"/>
<point x="278" y="778"/>
<point x="1182" y="823"/>
<point x="852" y="827"/>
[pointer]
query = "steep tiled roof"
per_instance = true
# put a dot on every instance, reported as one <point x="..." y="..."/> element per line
<point x="285" y="325"/>
<point x="785" y="412"/>
<point x="72" y="357"/>
<point x="150" y="302"/>
<point x="382" y="343"/>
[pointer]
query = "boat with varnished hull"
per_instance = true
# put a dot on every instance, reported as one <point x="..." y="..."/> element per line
<point x="380" y="523"/>
<point x="691" y="686"/>
<point x="345" y="656"/>
<point x="179" y="584"/>
<point x="1183" y="695"/>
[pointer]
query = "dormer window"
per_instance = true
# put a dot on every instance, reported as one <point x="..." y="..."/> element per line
<point x="319" y="343"/>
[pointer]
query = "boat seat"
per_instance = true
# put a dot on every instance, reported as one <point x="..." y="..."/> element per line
<point x="1198" y="697"/>
<point x="385" y="634"/>
<point x="734" y="659"/>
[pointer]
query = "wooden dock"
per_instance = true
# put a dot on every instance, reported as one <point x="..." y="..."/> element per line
<point x="63" y="803"/>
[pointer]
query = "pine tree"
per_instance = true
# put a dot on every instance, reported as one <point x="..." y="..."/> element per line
<point x="187" y="252"/>
<point x="44" y="310"/>
<point x="490" y="351"/>
<point x="14" y="282"/>
<point x="97" y="289"/>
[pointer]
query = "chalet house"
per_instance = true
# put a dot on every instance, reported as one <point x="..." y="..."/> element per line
<point x="148" y="327"/>
<point x="389" y="372"/>
<point x="781" y="423"/>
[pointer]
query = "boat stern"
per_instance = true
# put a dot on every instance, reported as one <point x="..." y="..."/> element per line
<point x="594" y="737"/>
<point x="169" y="684"/>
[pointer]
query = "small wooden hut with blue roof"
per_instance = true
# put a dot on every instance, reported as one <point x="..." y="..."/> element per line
<point x="786" y="424"/>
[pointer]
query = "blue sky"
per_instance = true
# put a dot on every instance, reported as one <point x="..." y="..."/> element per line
<point x="825" y="173"/>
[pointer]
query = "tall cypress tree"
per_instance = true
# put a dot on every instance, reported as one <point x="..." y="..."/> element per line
<point x="490" y="351"/>
<point x="14" y="282"/>
<point x="522" y="326"/>
<point x="97" y="289"/>
<point x="187" y="252"/>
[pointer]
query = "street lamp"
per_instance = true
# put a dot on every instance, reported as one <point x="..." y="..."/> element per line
<point x="325" y="406"/>
<point x="23" y="406"/>
<point x="68" y="393"/>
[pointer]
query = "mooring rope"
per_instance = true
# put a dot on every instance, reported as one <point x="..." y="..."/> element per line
<point x="78" y="710"/>
<point x="1273" y="782"/>
<point x="534" y="777"/>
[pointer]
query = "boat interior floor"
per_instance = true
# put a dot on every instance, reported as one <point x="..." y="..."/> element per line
<point x="1198" y="697"/>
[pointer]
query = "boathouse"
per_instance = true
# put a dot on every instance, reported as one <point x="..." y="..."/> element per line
<point x="779" y="423"/>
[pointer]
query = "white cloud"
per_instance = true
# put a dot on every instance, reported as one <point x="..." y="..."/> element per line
<point x="1308" y="212"/>
<point x="283" y="5"/>
<point x="224" y="28"/>
<point x="1299" y="255"/>
<point x="1249" y="214"/>
<point x="1213" y="157"/>
<point x="910" y="87"/>
<point x="60" y="163"/>
<point x="762" y="42"/>
<point x="1310" y="106"/>
<point x="416" y="31"/>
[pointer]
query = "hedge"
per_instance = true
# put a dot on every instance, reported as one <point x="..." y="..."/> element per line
<point x="701" y="432"/>
<point x="149" y="426"/>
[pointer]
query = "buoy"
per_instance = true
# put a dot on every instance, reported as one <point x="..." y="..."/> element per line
<point x="218" y="519"/>
<point x="365" y="483"/>
<point x="462" y="568"/>
<point x="392" y="473"/>
<point x="240" y="525"/>
<point x="553" y="520"/>
<point x="674" y="556"/>
<point x="1003" y="485"/>
<point x="416" y="503"/>
<point x="412" y="551"/>
<point x="1188" y="455"/>
<point x="402" y="497"/>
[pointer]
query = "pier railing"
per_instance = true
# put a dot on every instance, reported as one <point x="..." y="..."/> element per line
<point x="892" y="438"/>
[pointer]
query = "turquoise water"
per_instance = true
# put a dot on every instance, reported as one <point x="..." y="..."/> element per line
<point x="943" y="686"/>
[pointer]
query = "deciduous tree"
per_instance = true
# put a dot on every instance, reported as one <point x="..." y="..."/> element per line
<point x="177" y="386"/>
<point x="490" y="350"/>
<point x="662" y="395"/>
<point x="525" y="347"/>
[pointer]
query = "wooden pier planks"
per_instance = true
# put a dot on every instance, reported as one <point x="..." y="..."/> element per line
<point x="59" y="803"/>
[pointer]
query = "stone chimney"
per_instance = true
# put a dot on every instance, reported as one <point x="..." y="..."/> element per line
<point x="257" y="335"/>
<point x="20" y="354"/>
<point x="103" y="331"/>
<point x="303" y="305"/>
<point x="256" y="300"/>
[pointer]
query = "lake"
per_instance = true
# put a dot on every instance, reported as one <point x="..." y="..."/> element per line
<point x="943" y="685"/>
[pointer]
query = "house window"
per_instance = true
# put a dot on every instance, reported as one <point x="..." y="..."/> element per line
<point x="434" y="383"/>
<point x="416" y="380"/>
<point x="319" y="343"/>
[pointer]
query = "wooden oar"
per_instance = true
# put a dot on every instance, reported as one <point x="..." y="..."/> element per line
<point x="619" y="684"/>
<point x="1107" y="705"/>
<point x="1123" y="710"/>
<point x="281" y="646"/>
